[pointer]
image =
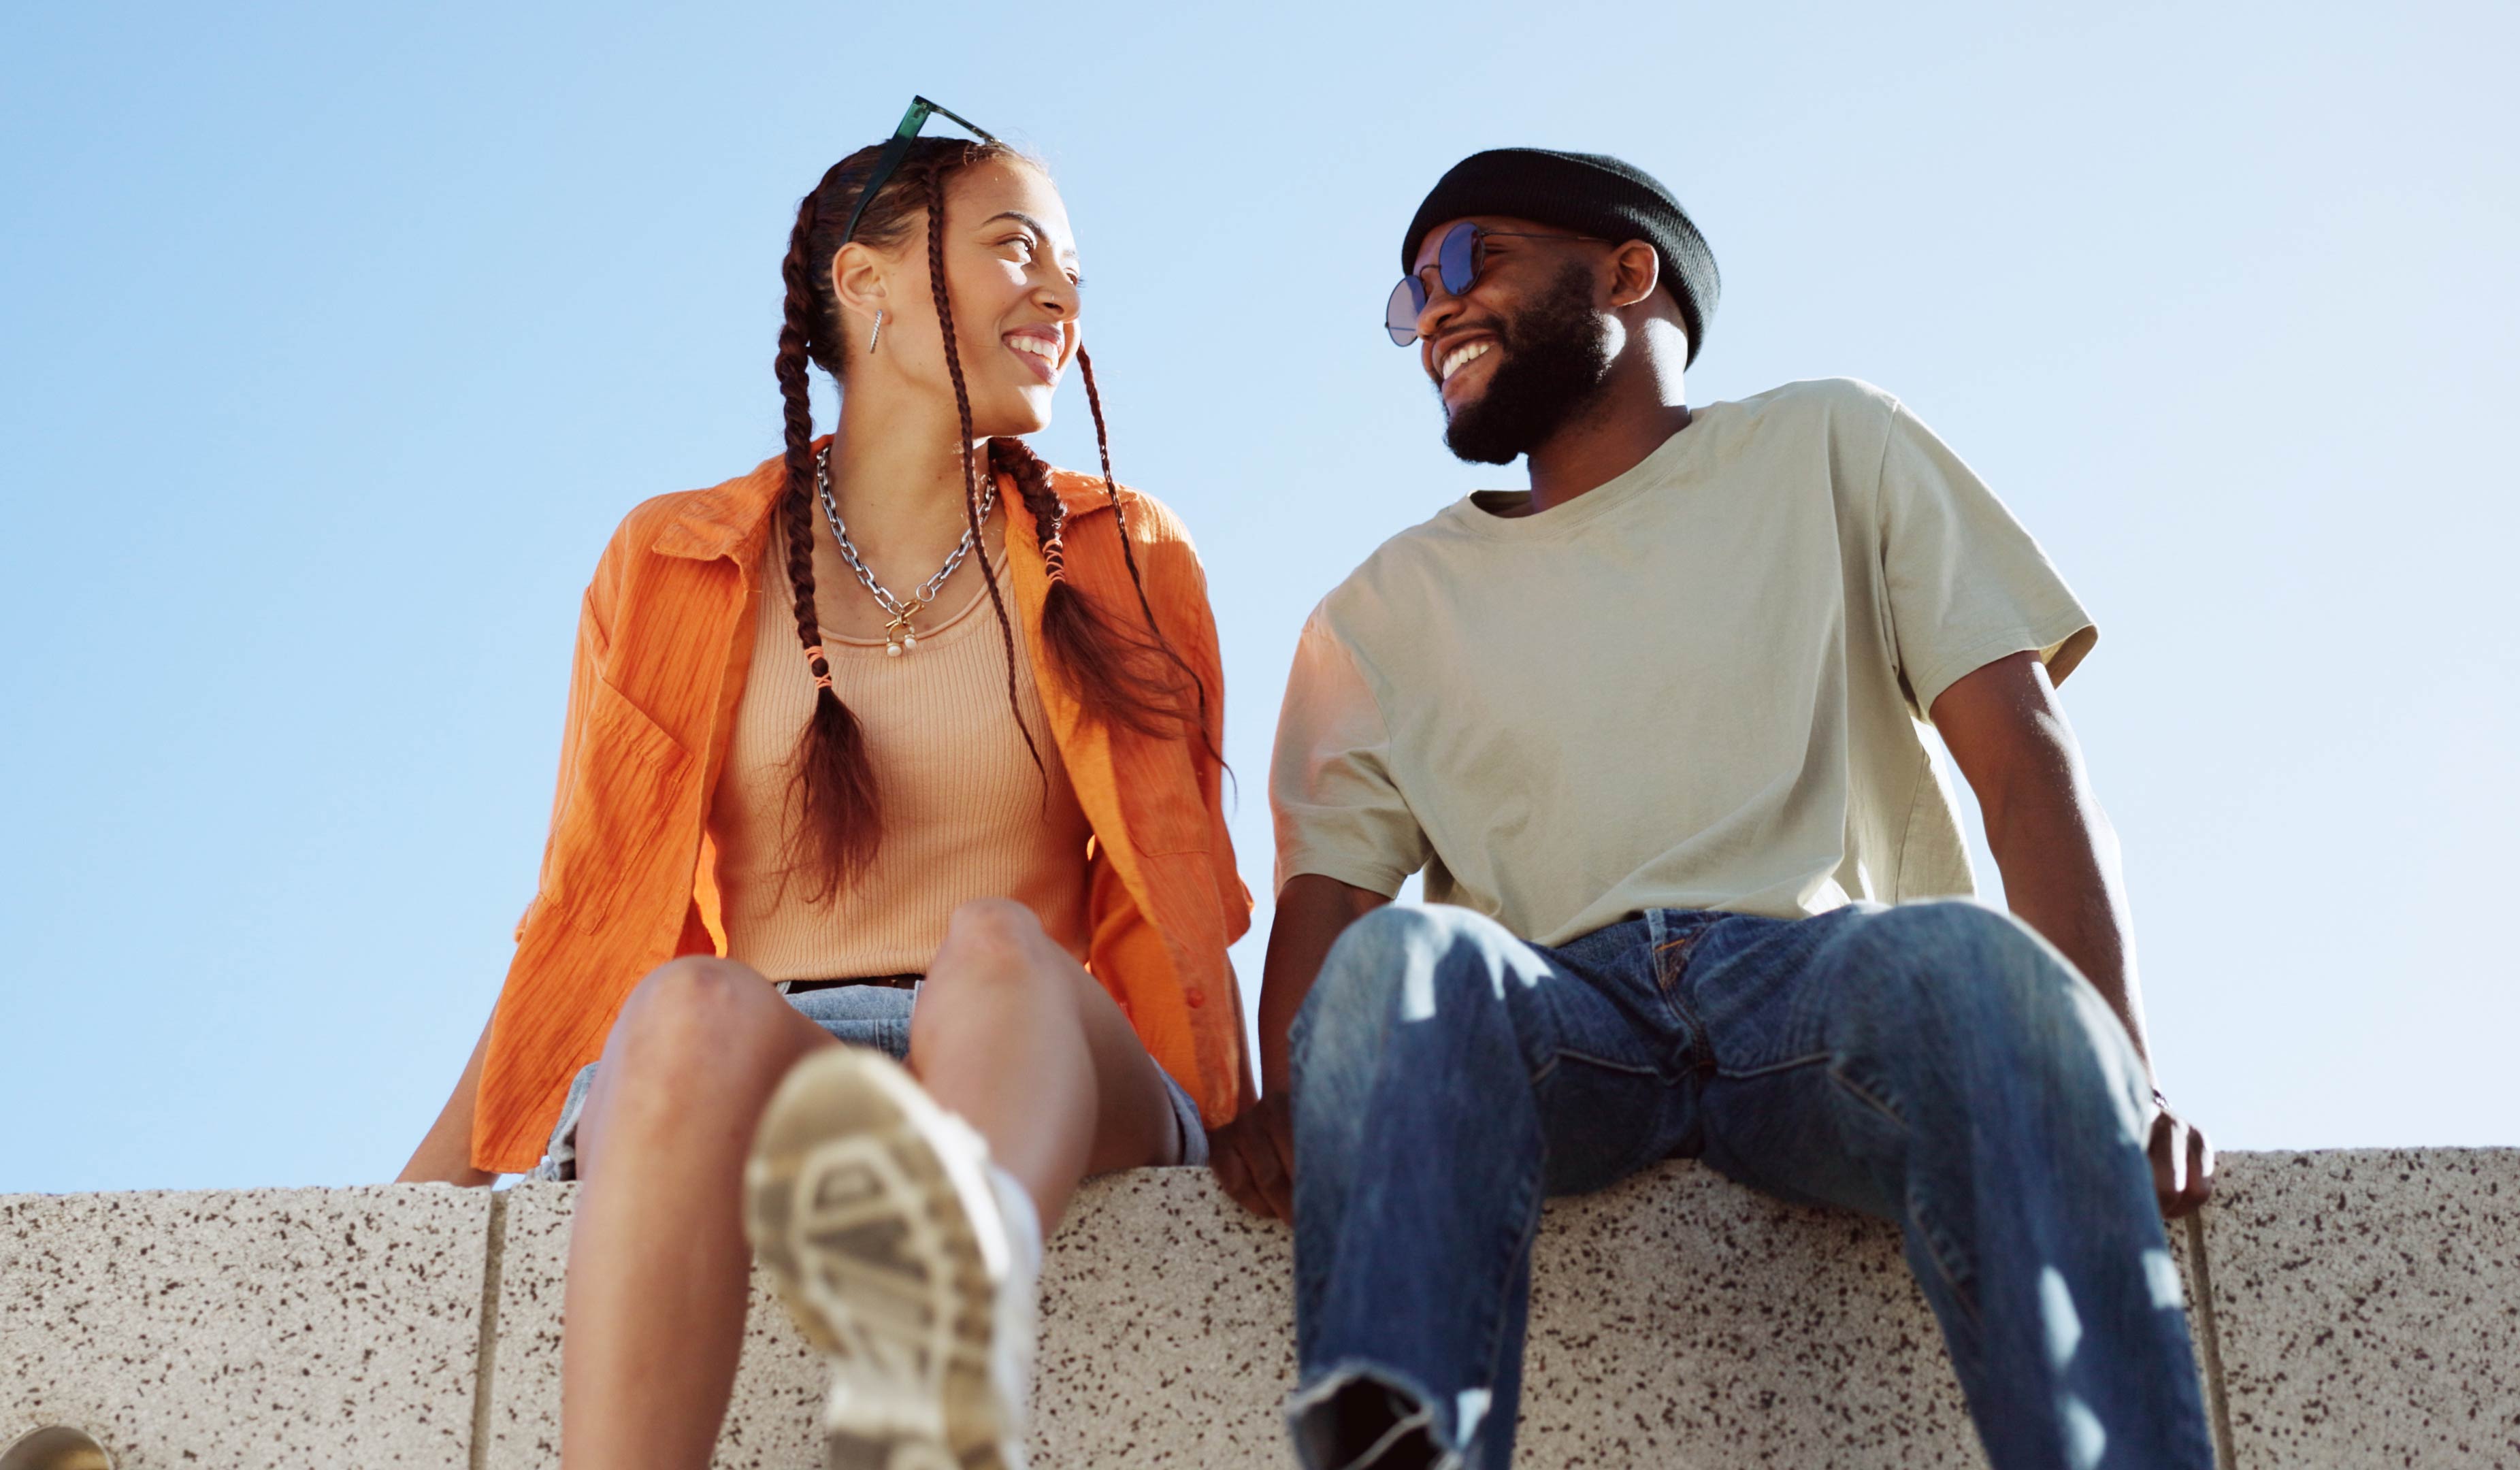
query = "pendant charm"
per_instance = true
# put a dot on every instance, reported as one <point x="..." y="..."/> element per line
<point x="898" y="639"/>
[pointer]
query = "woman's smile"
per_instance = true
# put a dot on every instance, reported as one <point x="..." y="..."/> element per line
<point x="1041" y="348"/>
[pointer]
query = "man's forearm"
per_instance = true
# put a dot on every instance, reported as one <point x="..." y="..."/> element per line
<point x="1312" y="912"/>
<point x="2062" y="877"/>
<point x="2059" y="856"/>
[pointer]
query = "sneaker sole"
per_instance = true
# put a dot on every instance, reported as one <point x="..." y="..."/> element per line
<point x="855" y="1199"/>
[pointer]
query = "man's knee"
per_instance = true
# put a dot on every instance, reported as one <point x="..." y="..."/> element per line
<point x="1955" y="958"/>
<point x="1406" y="965"/>
<point x="1973" y="989"/>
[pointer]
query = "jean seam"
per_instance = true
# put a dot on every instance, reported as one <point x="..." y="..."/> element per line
<point x="1702" y="1044"/>
<point x="1770" y="1069"/>
<point x="1569" y="1054"/>
<point x="1870" y="1098"/>
<point x="1530" y="1207"/>
<point x="1935" y="1250"/>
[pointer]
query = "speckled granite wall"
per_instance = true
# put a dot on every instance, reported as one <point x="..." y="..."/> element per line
<point x="199" y="1331"/>
<point x="2365" y="1311"/>
<point x="2367" y="1304"/>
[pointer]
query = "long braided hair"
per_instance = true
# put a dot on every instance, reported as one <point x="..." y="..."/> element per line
<point x="1122" y="675"/>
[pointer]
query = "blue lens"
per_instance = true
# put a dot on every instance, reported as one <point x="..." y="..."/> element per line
<point x="1457" y="260"/>
<point x="1400" y="313"/>
<point x="1457" y="265"/>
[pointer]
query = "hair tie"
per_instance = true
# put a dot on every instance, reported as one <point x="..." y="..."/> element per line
<point x="1054" y="551"/>
<point x="813" y="654"/>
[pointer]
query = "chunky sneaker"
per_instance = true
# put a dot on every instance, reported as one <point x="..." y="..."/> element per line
<point x="877" y="1212"/>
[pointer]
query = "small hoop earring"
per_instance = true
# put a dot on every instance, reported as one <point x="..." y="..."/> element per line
<point x="875" y="336"/>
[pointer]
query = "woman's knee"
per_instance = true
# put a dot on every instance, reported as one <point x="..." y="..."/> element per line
<point x="695" y="1018"/>
<point x="990" y="937"/>
<point x="996" y="958"/>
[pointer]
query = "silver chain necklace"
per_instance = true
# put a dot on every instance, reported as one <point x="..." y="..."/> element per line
<point x="899" y="637"/>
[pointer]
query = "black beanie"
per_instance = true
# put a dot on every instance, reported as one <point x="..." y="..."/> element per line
<point x="1591" y="193"/>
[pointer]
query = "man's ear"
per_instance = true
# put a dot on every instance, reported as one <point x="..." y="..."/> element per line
<point x="860" y="281"/>
<point x="1634" y="270"/>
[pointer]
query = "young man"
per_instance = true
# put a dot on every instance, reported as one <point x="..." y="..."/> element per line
<point x="1650" y="729"/>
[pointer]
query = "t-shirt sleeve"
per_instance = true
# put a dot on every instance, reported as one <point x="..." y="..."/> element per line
<point x="1338" y="812"/>
<point x="1965" y="583"/>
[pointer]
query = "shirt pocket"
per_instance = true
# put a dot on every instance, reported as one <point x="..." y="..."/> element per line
<point x="619" y="813"/>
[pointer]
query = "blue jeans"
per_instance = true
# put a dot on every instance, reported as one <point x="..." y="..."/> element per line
<point x="1933" y="1064"/>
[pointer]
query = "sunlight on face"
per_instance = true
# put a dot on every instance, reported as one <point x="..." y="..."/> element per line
<point x="1011" y="262"/>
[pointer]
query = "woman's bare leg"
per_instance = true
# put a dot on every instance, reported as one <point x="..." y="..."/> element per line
<point x="1010" y="1033"/>
<point x="658" y="1269"/>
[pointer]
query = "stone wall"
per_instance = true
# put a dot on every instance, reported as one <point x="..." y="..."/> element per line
<point x="2352" y="1308"/>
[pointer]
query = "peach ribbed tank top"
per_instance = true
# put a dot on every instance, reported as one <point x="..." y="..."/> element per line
<point x="965" y="815"/>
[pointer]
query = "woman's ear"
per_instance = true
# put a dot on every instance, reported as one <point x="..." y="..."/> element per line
<point x="860" y="281"/>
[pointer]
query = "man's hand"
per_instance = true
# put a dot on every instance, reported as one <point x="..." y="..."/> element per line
<point x="2182" y="1163"/>
<point x="1254" y="1155"/>
<point x="1254" y="1158"/>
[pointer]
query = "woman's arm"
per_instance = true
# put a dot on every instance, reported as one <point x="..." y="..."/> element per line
<point x="445" y="1155"/>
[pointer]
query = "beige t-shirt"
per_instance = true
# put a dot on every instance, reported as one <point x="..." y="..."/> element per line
<point x="1696" y="687"/>
<point x="966" y="814"/>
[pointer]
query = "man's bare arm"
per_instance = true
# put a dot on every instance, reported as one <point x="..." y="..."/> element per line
<point x="2059" y="856"/>
<point x="1255" y="1154"/>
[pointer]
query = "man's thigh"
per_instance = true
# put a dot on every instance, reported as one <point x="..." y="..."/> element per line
<point x="1436" y="1017"/>
<point x="1616" y="1060"/>
<point x="1842" y="1042"/>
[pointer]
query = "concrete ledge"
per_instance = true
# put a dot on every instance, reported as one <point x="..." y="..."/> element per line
<point x="2368" y="1307"/>
<point x="2356" y="1309"/>
<point x="291" y="1328"/>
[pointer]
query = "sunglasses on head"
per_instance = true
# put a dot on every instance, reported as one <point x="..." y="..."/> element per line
<point x="898" y="148"/>
<point x="1458" y="259"/>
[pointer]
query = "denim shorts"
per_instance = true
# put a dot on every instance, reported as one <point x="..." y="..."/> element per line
<point x="858" y="1015"/>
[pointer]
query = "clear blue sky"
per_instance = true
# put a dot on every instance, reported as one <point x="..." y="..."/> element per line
<point x="334" y="340"/>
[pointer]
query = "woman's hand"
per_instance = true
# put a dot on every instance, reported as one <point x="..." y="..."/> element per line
<point x="445" y="1155"/>
<point x="1254" y="1158"/>
<point x="437" y="1162"/>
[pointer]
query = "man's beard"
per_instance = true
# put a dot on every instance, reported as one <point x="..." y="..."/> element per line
<point x="1552" y="359"/>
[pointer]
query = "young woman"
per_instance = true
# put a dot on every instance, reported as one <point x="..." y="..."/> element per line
<point x="903" y="739"/>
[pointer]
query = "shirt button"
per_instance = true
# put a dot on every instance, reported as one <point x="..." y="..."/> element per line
<point x="1195" y="995"/>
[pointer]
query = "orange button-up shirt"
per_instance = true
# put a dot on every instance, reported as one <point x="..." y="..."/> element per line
<point x="664" y="642"/>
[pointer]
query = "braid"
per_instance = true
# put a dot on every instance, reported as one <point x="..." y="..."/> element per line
<point x="839" y="823"/>
<point x="1128" y="556"/>
<point x="970" y="468"/>
<point x="1120" y="512"/>
<point x="795" y="331"/>
<point x="1112" y="668"/>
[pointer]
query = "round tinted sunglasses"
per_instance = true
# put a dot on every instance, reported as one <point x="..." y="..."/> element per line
<point x="1459" y="261"/>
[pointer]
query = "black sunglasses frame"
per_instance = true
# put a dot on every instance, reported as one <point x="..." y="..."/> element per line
<point x="1452" y="259"/>
<point x="898" y="148"/>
